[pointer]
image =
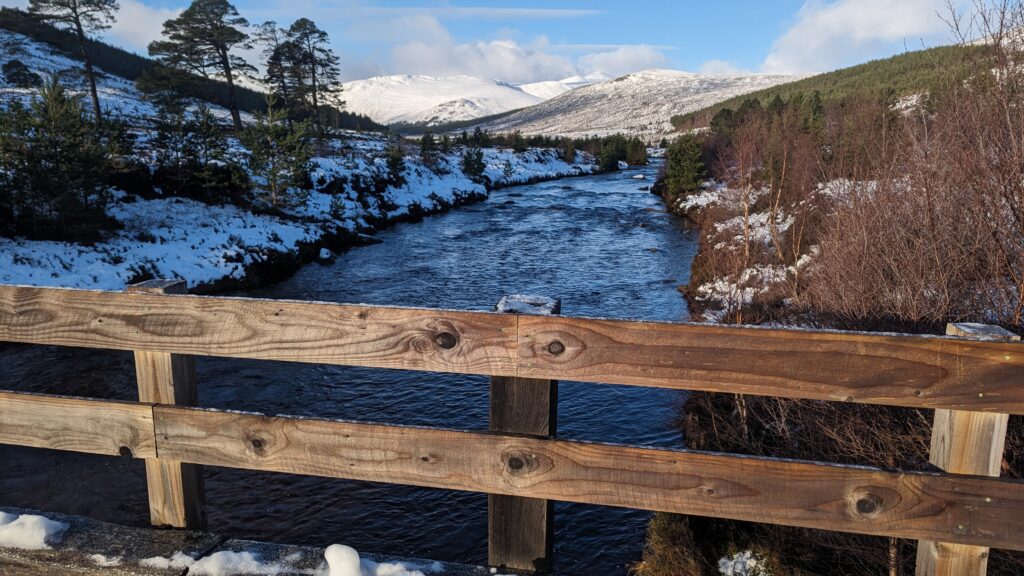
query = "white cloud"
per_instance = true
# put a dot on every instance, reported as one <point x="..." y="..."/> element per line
<point x="503" y="59"/>
<point x="436" y="53"/>
<point x="724" y="67"/>
<point x="833" y="34"/>
<point x="622" y="60"/>
<point x="138" y="24"/>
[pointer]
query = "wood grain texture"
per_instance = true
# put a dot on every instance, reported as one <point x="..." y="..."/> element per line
<point x="175" y="489"/>
<point x="959" y="509"/>
<point x="520" y="531"/>
<point x="913" y="371"/>
<point x="965" y="442"/>
<point x="320" y="333"/>
<point x="77" y="424"/>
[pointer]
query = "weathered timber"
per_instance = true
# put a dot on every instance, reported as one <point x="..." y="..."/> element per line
<point x="899" y="370"/>
<point x="520" y="531"/>
<point x="175" y="489"/>
<point x="77" y="425"/>
<point x="913" y="371"/>
<point x="965" y="442"/>
<point x="951" y="508"/>
<point x="319" y="333"/>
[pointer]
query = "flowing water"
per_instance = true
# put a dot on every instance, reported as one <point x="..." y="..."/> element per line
<point x="601" y="244"/>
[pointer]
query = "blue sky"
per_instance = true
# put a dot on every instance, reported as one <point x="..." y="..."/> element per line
<point x="526" y="41"/>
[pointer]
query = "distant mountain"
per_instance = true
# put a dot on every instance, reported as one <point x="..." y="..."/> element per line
<point x="434" y="100"/>
<point x="642" y="103"/>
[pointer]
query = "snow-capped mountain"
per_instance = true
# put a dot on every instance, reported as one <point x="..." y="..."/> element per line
<point x="641" y="103"/>
<point x="431" y="100"/>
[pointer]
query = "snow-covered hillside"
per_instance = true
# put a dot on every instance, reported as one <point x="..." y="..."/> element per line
<point x="641" y="103"/>
<point x="221" y="245"/>
<point x="118" y="97"/>
<point x="432" y="100"/>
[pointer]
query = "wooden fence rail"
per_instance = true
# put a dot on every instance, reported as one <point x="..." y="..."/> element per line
<point x="954" y="374"/>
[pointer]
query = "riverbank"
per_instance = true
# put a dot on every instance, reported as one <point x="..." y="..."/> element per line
<point x="224" y="247"/>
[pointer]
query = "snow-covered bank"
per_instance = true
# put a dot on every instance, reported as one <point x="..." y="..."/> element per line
<point x="219" y="247"/>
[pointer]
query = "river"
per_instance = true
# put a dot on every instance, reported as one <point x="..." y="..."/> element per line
<point x="600" y="243"/>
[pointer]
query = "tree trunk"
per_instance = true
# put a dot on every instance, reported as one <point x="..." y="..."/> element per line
<point x="316" y="89"/>
<point x="89" y="73"/>
<point x="236" y="118"/>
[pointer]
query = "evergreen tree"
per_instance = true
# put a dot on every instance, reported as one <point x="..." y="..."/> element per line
<point x="279" y="157"/>
<point x="279" y="59"/>
<point x="52" y="168"/>
<point x="201" y="40"/>
<point x="473" y="165"/>
<point x="446" y="143"/>
<point x="518" y="142"/>
<point x="320" y="64"/>
<point x="428" y="150"/>
<point x="191" y="155"/>
<point x="396" y="165"/>
<point x="81" y="17"/>
<point x="685" y="168"/>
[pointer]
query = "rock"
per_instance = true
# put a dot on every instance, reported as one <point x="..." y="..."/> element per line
<point x="325" y="256"/>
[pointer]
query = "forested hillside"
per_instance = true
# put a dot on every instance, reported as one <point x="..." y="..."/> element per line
<point x="141" y="70"/>
<point x="908" y="74"/>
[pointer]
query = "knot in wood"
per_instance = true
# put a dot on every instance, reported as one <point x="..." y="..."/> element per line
<point x="555" y="348"/>
<point x="258" y="442"/>
<point x="516" y="463"/>
<point x="867" y="505"/>
<point x="868" y="501"/>
<point x="125" y="451"/>
<point x="446" y="340"/>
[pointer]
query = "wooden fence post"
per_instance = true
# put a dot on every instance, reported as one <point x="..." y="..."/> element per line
<point x="520" y="530"/>
<point x="175" y="489"/>
<point x="964" y="442"/>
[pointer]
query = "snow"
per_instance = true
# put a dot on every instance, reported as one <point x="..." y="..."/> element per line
<point x="414" y="99"/>
<point x="744" y="563"/>
<point x="344" y="561"/>
<point x="178" y="560"/>
<point x="642" y="103"/>
<point x="229" y="563"/>
<point x="171" y="237"/>
<point x="105" y="561"/>
<point x="526" y="304"/>
<point x="29" y="531"/>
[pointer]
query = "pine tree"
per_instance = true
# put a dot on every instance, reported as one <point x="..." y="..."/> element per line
<point x="396" y="165"/>
<point x="319" y="62"/>
<point x="473" y="165"/>
<point x="279" y="59"/>
<point x="81" y="17"/>
<point x="201" y="40"/>
<point x="279" y="156"/>
<point x="52" y="168"/>
<point x="428" y="150"/>
<point x="685" y="169"/>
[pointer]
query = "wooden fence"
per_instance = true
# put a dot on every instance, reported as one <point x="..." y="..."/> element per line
<point x="973" y="381"/>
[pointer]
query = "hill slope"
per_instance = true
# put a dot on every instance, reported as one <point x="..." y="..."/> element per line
<point x="905" y="74"/>
<point x="641" y="103"/>
<point x="409" y="99"/>
<point x="122" y="68"/>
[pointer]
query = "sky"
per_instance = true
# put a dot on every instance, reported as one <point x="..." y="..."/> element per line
<point x="534" y="40"/>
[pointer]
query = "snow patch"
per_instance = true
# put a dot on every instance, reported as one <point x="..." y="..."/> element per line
<point x="105" y="561"/>
<point x="744" y="563"/>
<point x="179" y="560"/>
<point x="29" y="531"/>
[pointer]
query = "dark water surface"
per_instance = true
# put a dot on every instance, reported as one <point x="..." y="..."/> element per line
<point x="600" y="243"/>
